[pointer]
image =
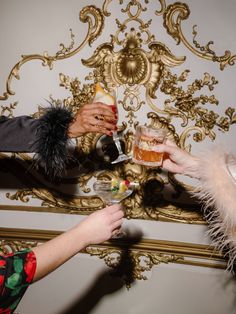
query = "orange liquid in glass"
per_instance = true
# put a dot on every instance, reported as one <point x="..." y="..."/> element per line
<point x="147" y="155"/>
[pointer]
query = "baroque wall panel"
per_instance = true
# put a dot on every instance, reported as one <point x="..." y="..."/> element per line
<point x="173" y="66"/>
<point x="150" y="91"/>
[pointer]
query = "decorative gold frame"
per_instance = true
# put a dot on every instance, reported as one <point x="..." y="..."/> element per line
<point x="130" y="259"/>
<point x="135" y="62"/>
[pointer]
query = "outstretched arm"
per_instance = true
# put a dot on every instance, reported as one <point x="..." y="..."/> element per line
<point x="49" y="135"/>
<point x="19" y="270"/>
<point x="96" y="228"/>
<point x="215" y="170"/>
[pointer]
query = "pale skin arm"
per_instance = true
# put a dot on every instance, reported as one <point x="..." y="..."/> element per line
<point x="99" y="226"/>
<point x="177" y="160"/>
<point x="96" y="228"/>
<point x="87" y="120"/>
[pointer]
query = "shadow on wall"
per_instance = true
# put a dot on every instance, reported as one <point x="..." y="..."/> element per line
<point x="19" y="173"/>
<point x="109" y="281"/>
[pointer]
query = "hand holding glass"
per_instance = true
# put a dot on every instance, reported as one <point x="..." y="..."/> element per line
<point x="146" y="139"/>
<point x="113" y="192"/>
<point x="111" y="99"/>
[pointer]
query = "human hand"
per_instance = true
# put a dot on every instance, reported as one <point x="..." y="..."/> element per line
<point x="96" y="117"/>
<point x="102" y="224"/>
<point x="177" y="160"/>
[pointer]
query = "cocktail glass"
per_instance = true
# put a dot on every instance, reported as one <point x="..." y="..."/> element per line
<point x="145" y="141"/>
<point x="121" y="157"/>
<point x="113" y="192"/>
<point x="111" y="100"/>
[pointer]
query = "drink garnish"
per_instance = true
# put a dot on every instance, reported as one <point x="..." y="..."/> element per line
<point x="119" y="186"/>
<point x="102" y="96"/>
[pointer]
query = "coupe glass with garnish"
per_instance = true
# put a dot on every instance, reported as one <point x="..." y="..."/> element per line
<point x="113" y="192"/>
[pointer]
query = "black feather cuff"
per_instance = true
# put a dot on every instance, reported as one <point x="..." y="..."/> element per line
<point x="52" y="141"/>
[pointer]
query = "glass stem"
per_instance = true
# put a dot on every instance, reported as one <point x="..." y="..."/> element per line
<point x="117" y="142"/>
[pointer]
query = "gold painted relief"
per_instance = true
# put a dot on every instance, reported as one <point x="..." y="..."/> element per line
<point x="141" y="68"/>
<point x="131" y="259"/>
<point x="173" y="17"/>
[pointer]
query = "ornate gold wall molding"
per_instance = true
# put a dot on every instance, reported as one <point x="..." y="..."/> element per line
<point x="130" y="258"/>
<point x="141" y="68"/>
<point x="173" y="17"/>
<point x="90" y="15"/>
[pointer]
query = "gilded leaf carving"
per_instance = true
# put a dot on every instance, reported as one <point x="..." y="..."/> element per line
<point x="142" y="69"/>
<point x="130" y="259"/>
<point x="173" y="16"/>
<point x="131" y="265"/>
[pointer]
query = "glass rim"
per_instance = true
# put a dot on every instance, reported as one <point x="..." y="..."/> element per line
<point x="159" y="131"/>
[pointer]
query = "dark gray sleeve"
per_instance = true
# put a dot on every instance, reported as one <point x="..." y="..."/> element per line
<point x="46" y="136"/>
<point x="18" y="134"/>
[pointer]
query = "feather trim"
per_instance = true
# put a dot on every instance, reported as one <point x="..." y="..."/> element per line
<point x="52" y="141"/>
<point x="217" y="190"/>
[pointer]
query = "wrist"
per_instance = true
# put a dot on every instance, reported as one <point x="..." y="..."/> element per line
<point x="192" y="169"/>
<point x="81" y="235"/>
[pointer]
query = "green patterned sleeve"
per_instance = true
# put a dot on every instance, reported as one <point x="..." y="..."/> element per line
<point x="16" y="274"/>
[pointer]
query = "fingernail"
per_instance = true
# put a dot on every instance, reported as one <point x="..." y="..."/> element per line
<point x="114" y="109"/>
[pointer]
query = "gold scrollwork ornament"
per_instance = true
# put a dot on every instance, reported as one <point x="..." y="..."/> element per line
<point x="131" y="265"/>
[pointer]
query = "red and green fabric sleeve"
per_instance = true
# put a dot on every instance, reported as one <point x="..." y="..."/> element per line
<point x="16" y="274"/>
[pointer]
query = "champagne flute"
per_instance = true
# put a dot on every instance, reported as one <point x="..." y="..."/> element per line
<point x="111" y="100"/>
<point x="121" y="157"/>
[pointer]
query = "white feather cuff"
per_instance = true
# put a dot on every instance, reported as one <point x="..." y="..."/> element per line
<point x="217" y="190"/>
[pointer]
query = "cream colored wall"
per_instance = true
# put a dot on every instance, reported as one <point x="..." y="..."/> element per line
<point x="30" y="26"/>
<point x="169" y="289"/>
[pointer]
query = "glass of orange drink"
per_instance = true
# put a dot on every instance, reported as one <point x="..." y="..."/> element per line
<point x="145" y="141"/>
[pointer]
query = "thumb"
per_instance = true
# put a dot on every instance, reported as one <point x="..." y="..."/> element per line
<point x="162" y="148"/>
